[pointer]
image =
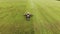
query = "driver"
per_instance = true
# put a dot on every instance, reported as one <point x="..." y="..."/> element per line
<point x="27" y="15"/>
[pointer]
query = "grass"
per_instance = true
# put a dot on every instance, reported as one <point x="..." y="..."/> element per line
<point x="45" y="20"/>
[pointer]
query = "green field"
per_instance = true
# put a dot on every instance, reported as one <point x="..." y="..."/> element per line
<point x="45" y="20"/>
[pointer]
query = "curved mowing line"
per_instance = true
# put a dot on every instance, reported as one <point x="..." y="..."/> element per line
<point x="42" y="31"/>
<point x="54" y="28"/>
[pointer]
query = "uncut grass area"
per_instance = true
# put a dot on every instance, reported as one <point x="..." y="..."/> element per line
<point x="45" y="20"/>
